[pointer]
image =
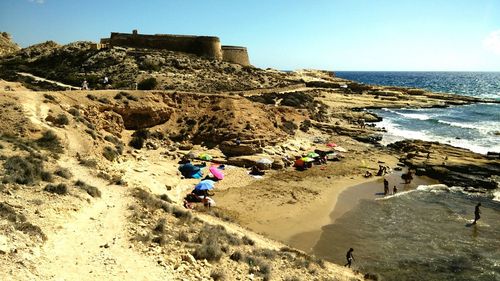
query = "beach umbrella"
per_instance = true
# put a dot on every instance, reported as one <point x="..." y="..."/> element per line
<point x="341" y="149"/>
<point x="312" y="155"/>
<point x="265" y="161"/>
<point x="307" y="159"/>
<point x="205" y="185"/>
<point x="331" y="144"/>
<point x="205" y="156"/>
<point x="216" y="172"/>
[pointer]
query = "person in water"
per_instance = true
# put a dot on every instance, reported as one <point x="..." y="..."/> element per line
<point x="386" y="187"/>
<point x="477" y="213"/>
<point x="349" y="257"/>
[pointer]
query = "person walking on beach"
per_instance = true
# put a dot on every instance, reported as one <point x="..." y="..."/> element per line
<point x="386" y="187"/>
<point x="349" y="257"/>
<point x="477" y="213"/>
<point x="394" y="190"/>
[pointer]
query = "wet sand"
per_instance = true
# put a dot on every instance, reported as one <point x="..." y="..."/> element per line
<point x="348" y="199"/>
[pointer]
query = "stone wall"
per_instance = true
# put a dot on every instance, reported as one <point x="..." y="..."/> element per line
<point x="235" y="54"/>
<point x="207" y="46"/>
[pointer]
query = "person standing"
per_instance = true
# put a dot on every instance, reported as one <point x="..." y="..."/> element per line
<point x="386" y="187"/>
<point x="85" y="85"/>
<point x="477" y="213"/>
<point x="350" y="258"/>
<point x="394" y="190"/>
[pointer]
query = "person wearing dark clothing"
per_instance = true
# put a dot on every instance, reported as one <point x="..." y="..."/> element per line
<point x="394" y="190"/>
<point x="386" y="187"/>
<point x="477" y="213"/>
<point x="349" y="257"/>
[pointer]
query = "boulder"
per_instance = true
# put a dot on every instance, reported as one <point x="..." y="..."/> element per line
<point x="231" y="149"/>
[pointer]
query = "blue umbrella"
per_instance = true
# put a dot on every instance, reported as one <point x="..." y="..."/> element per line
<point x="205" y="185"/>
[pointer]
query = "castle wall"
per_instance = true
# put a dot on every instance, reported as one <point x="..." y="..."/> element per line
<point x="208" y="46"/>
<point x="235" y="54"/>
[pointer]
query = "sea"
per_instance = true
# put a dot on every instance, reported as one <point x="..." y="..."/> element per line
<point x="475" y="127"/>
<point x="425" y="233"/>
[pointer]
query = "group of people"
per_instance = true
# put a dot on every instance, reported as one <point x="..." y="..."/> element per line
<point x="386" y="188"/>
<point x="85" y="83"/>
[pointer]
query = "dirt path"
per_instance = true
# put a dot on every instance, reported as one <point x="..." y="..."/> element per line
<point x="36" y="78"/>
<point x="94" y="244"/>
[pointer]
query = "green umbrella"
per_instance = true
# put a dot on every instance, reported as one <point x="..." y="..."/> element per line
<point x="312" y="155"/>
<point x="307" y="159"/>
<point x="205" y="156"/>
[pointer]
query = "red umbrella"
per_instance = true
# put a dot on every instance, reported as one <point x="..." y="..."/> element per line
<point x="331" y="144"/>
<point x="216" y="172"/>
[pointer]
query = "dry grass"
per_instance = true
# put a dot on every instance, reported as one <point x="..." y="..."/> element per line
<point x="22" y="170"/>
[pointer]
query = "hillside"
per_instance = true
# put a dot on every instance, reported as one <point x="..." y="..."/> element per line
<point x="7" y="46"/>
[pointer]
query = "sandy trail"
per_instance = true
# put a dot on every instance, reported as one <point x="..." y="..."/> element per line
<point x="94" y="244"/>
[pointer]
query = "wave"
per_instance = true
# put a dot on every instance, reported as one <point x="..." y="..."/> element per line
<point x="417" y="116"/>
<point x="482" y="144"/>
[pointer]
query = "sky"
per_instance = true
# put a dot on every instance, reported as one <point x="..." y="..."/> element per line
<point x="357" y="35"/>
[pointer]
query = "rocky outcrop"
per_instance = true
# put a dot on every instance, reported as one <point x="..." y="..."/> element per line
<point x="450" y="165"/>
<point x="7" y="46"/>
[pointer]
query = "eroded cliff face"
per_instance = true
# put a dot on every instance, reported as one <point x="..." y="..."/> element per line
<point x="450" y="165"/>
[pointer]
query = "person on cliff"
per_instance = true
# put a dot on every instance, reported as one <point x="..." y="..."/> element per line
<point x="386" y="187"/>
<point x="350" y="257"/>
<point x="477" y="213"/>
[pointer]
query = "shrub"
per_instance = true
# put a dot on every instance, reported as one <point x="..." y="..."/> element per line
<point x="182" y="236"/>
<point x="88" y="162"/>
<point x="147" y="84"/>
<point x="160" y="226"/>
<point x="247" y="241"/>
<point x="165" y="198"/>
<point x="74" y="111"/>
<point x="50" y="141"/>
<point x="236" y="256"/>
<point x="209" y="250"/>
<point x="23" y="170"/>
<point x="218" y="275"/>
<point x="305" y="125"/>
<point x="109" y="153"/>
<point x="160" y="240"/>
<point x="30" y="229"/>
<point x="49" y="97"/>
<point x="91" y="132"/>
<point x="91" y="97"/>
<point x="47" y="176"/>
<point x="60" y="189"/>
<point x="63" y="173"/>
<point x="61" y="120"/>
<point x="91" y="190"/>
<point x="136" y="142"/>
<point x="104" y="100"/>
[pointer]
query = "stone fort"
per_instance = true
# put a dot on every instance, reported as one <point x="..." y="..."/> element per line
<point x="205" y="46"/>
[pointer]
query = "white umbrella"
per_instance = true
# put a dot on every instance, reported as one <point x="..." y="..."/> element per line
<point x="265" y="161"/>
<point x="339" y="148"/>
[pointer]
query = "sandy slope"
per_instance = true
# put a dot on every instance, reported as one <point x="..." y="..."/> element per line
<point x="94" y="245"/>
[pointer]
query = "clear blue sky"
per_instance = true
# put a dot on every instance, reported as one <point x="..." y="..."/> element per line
<point x="324" y="34"/>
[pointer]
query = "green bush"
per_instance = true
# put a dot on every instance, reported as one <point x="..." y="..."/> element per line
<point x="147" y="84"/>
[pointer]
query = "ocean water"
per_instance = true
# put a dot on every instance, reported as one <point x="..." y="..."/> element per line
<point x="422" y="234"/>
<point x="476" y="127"/>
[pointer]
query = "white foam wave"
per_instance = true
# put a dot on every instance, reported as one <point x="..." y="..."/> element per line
<point x="496" y="196"/>
<point x="417" y="116"/>
<point x="485" y="127"/>
<point x="402" y="193"/>
<point x="396" y="133"/>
